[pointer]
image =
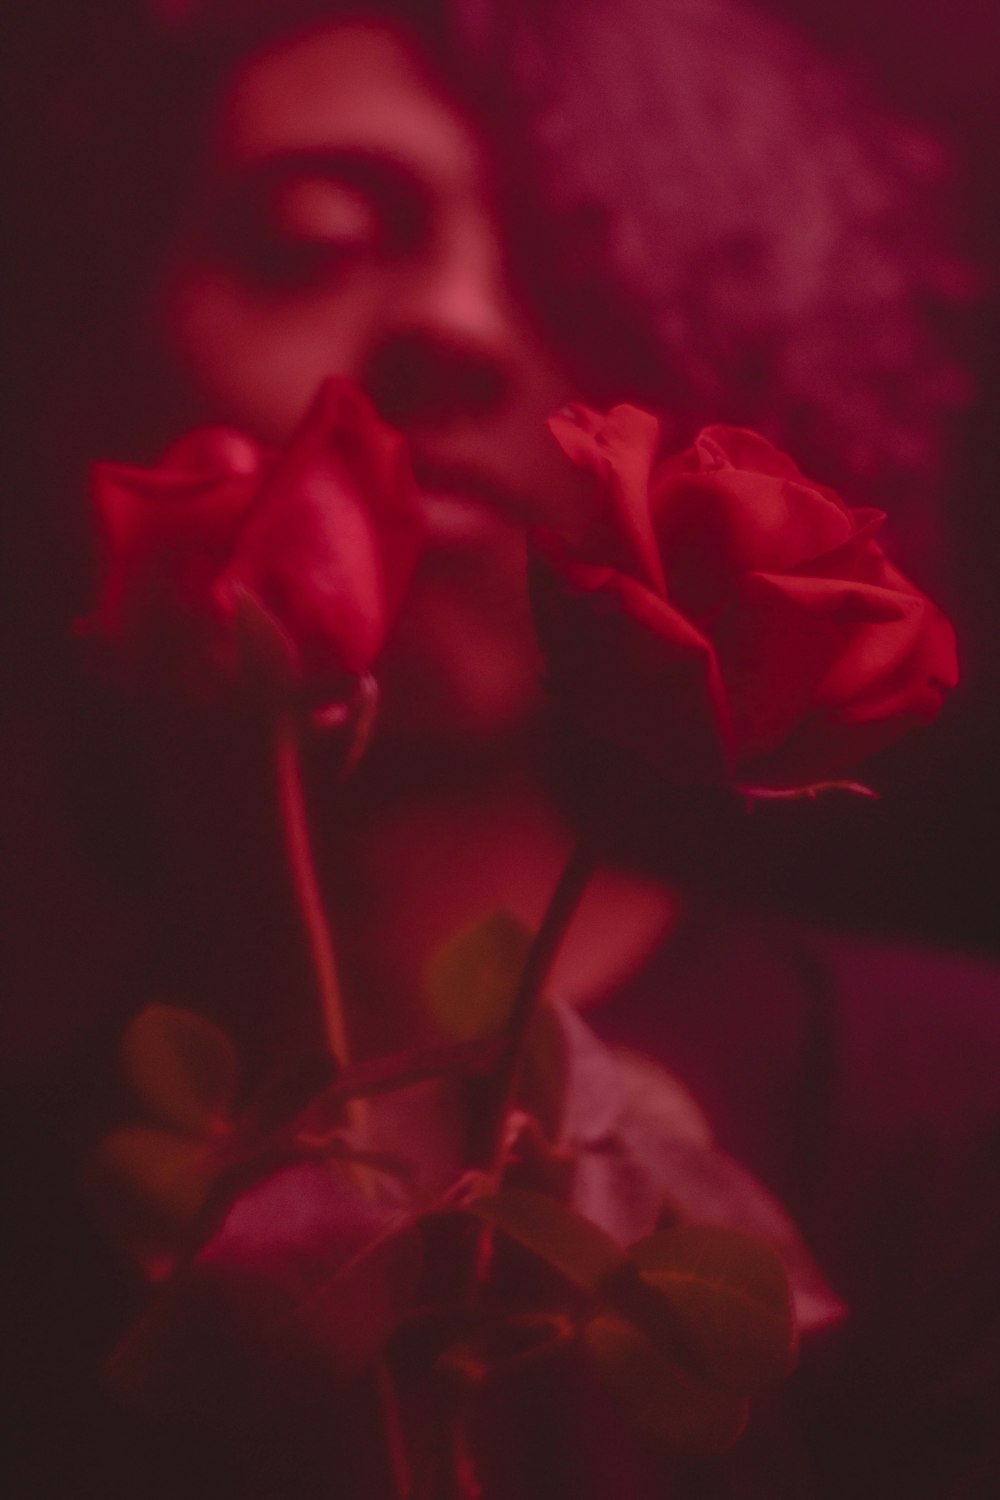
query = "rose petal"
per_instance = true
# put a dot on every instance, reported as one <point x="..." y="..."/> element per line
<point x="770" y="617"/>
<point x="162" y="535"/>
<point x="859" y="557"/>
<point x="334" y="535"/>
<point x="713" y="528"/>
<point x="885" y="682"/>
<point x="631" y="668"/>
<point x="323" y="537"/>
<point x="720" y="446"/>
<point x="619" y="450"/>
<point x="781" y="641"/>
<point x="907" y="667"/>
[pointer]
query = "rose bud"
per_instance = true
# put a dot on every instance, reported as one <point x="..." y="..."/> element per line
<point x="228" y="560"/>
<point x="727" y="619"/>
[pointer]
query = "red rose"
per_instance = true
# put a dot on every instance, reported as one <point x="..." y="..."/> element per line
<point x="318" y="539"/>
<point x="728" y="619"/>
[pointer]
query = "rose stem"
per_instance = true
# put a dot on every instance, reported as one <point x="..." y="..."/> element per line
<point x="302" y="866"/>
<point x="558" y="916"/>
<point x="399" y="1461"/>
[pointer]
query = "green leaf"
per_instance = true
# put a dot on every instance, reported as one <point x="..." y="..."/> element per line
<point x="728" y="1297"/>
<point x="498" y="1343"/>
<point x="298" y="1292"/>
<point x="148" y="1186"/>
<point x="183" y="1067"/>
<point x="672" y="1408"/>
<point x="472" y="980"/>
<point x="354" y="1312"/>
<point x="561" y="1237"/>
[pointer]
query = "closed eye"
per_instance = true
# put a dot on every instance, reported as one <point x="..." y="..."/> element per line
<point x="322" y="211"/>
<point x="301" y="217"/>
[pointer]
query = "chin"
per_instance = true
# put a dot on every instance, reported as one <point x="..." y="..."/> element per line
<point x="428" y="707"/>
<point x="466" y="703"/>
<point x="461" y="666"/>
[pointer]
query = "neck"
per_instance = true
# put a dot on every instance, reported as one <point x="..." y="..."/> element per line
<point x="410" y="849"/>
<point x="425" y="853"/>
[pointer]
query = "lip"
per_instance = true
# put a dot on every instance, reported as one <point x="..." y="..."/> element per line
<point x="463" y="505"/>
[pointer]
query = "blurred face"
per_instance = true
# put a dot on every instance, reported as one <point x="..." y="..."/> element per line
<point x="344" y="224"/>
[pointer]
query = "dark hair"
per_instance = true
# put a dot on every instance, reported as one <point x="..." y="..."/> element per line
<point x="791" y="249"/>
<point x="713" y="219"/>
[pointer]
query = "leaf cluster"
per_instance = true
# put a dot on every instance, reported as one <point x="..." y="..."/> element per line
<point x="458" y="1296"/>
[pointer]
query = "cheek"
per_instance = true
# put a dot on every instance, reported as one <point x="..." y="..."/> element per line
<point x="252" y="362"/>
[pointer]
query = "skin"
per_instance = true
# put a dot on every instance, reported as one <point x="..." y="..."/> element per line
<point x="344" y="222"/>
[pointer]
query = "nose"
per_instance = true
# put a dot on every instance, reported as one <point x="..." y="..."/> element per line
<point x="446" y="346"/>
<point x="419" y="378"/>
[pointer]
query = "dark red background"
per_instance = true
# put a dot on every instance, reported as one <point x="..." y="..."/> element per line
<point x="922" y="863"/>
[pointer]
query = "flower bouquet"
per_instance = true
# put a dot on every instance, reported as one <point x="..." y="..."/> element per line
<point x="588" y="1296"/>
